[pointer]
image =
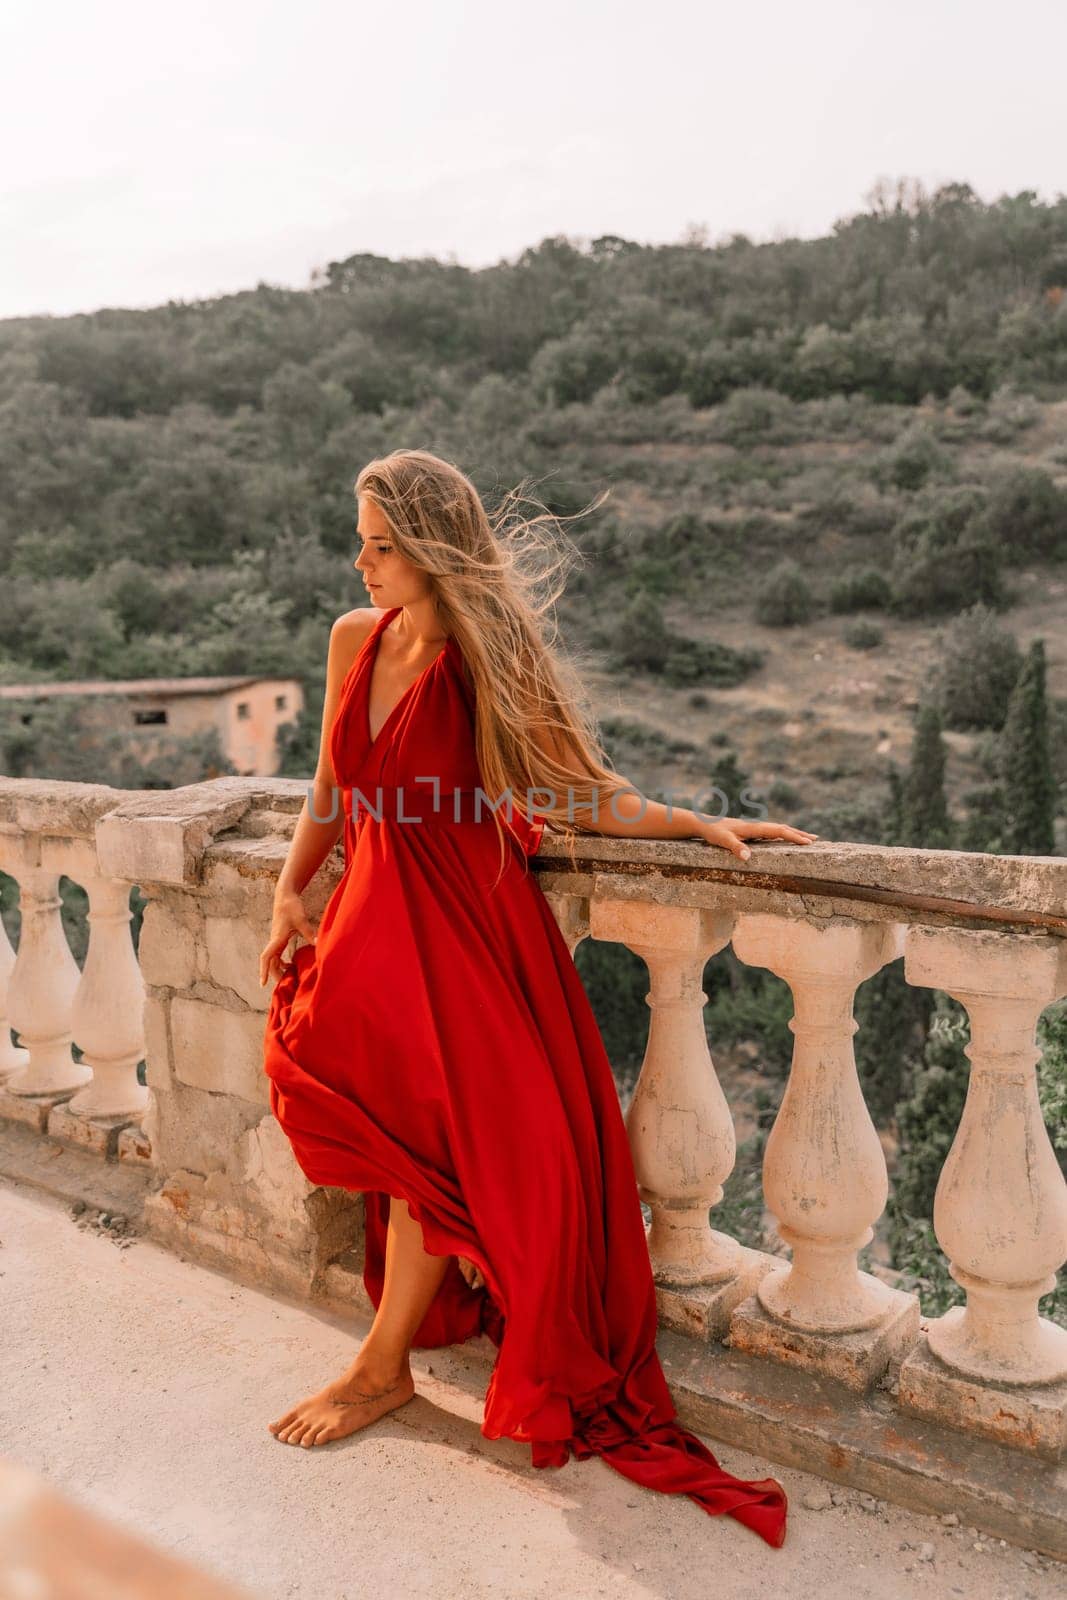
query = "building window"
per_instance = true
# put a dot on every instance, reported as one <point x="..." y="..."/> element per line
<point x="142" y="718"/>
<point x="279" y="702"/>
<point x="244" y="710"/>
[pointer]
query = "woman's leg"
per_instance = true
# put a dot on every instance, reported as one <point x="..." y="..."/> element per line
<point x="412" y="1279"/>
<point x="379" y="1379"/>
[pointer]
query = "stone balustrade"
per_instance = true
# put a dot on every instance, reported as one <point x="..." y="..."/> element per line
<point x="990" y="931"/>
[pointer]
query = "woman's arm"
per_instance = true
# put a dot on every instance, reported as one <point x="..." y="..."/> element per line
<point x="313" y="839"/>
<point x="630" y="814"/>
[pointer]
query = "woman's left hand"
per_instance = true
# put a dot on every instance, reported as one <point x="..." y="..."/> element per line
<point x="731" y="832"/>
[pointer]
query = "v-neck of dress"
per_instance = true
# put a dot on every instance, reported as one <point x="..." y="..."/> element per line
<point x="373" y="738"/>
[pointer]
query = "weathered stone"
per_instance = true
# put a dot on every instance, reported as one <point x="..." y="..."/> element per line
<point x="135" y="1146"/>
<point x="32" y="1109"/>
<point x="193" y="1129"/>
<point x="855" y="1359"/>
<point x="159" y="1071"/>
<point x="1024" y="883"/>
<point x="218" y="1049"/>
<point x="98" y="1134"/>
<point x="219" y="1220"/>
<point x="183" y="1218"/>
<point x="803" y="1419"/>
<point x="160" y="835"/>
<point x="265" y="1164"/>
<point x="167" y="948"/>
<point x="1030" y="1417"/>
<point x="704" y="1310"/>
<point x="233" y="946"/>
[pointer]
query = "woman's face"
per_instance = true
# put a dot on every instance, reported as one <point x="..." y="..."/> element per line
<point x="389" y="579"/>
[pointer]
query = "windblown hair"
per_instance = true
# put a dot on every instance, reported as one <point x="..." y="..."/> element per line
<point x="493" y="579"/>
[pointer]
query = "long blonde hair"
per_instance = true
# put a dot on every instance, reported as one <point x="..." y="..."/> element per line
<point x="493" y="579"/>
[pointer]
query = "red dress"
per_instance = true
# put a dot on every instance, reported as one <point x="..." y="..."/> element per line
<point x="436" y="1044"/>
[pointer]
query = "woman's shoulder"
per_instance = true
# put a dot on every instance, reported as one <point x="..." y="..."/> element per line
<point x="349" y="634"/>
<point x="355" y="627"/>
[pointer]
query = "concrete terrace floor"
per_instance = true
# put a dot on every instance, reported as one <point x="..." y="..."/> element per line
<point x="141" y="1384"/>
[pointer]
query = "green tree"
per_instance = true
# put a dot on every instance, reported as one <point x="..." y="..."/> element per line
<point x="1027" y="512"/>
<point x="979" y="665"/>
<point x="1026" y="765"/>
<point x="893" y="1016"/>
<point x="925" y="821"/>
<point x="945" y="557"/>
<point x="893" y="826"/>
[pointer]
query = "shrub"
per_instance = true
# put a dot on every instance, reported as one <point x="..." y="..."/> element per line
<point x="945" y="558"/>
<point x="863" y="636"/>
<point x="653" y="575"/>
<point x="980" y="662"/>
<point x="705" y="661"/>
<point x="963" y="403"/>
<point x="756" y="416"/>
<point x="1027" y="513"/>
<point x="654" y="368"/>
<point x="928" y="1119"/>
<point x="865" y="590"/>
<point x="782" y="793"/>
<point x="572" y="368"/>
<point x="930" y="580"/>
<point x="842" y="507"/>
<point x="626" y="740"/>
<point x="644" y="643"/>
<point x="616" y="981"/>
<point x="1009" y="413"/>
<point x="915" y="458"/>
<point x="784" y="597"/>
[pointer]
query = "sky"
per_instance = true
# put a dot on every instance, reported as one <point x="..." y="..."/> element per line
<point x="153" y="152"/>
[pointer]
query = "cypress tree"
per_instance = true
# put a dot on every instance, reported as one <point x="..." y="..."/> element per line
<point x="893" y="1016"/>
<point x="926" y="821"/>
<point x="1026" y="763"/>
<point x="893" y="816"/>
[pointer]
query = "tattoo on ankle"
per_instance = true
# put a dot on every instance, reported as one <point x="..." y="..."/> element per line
<point x="364" y="1396"/>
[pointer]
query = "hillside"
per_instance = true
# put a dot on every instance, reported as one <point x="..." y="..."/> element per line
<point x="869" y="430"/>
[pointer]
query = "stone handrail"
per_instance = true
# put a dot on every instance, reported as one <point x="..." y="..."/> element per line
<point x="989" y="930"/>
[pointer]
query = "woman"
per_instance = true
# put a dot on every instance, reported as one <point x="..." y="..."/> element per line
<point x="432" y="1045"/>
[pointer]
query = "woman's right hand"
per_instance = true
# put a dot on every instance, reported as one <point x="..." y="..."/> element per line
<point x="474" y="1276"/>
<point x="288" y="917"/>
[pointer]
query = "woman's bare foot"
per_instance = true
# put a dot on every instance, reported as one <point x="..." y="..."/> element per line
<point x="360" y="1396"/>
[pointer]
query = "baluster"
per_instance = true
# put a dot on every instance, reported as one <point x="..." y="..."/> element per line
<point x="43" y="982"/>
<point x="680" y="1127"/>
<point x="108" y="1008"/>
<point x="1000" y="1208"/>
<point x="824" y="1170"/>
<point x="12" y="1057"/>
